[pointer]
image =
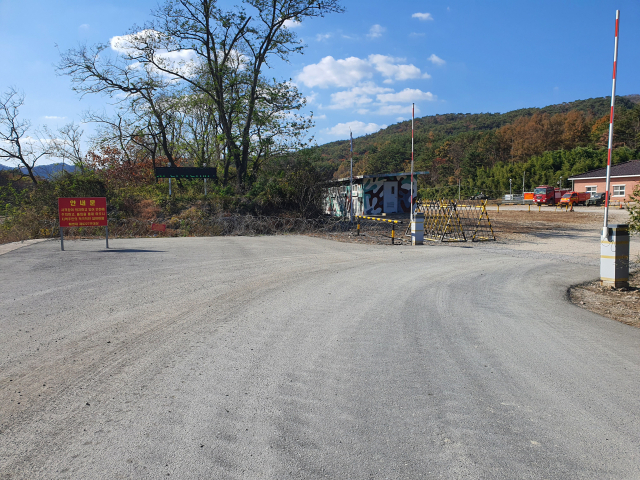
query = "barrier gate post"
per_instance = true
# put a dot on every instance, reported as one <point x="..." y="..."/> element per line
<point x="614" y="257"/>
<point x="417" y="229"/>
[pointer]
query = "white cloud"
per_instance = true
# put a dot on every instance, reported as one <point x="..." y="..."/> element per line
<point x="416" y="34"/>
<point x="389" y="68"/>
<point x="339" y="73"/>
<point x="291" y="24"/>
<point x="396" y="110"/>
<point x="400" y="119"/>
<point x="122" y="43"/>
<point x="422" y="16"/>
<point x="180" y="60"/>
<point x="323" y="36"/>
<point x="350" y="71"/>
<point x="53" y="117"/>
<point x="408" y="95"/>
<point x="436" y="60"/>
<point x="376" y="31"/>
<point x="356" y="97"/>
<point x="320" y="117"/>
<point x="356" y="127"/>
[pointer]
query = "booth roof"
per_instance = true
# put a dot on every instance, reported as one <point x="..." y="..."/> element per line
<point x="378" y="175"/>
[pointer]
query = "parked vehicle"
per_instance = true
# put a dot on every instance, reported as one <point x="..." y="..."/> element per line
<point x="596" y="199"/>
<point x="547" y="195"/>
<point x="575" y="198"/>
<point x="479" y="196"/>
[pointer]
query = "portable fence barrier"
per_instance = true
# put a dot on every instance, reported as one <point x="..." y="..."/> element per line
<point x="360" y="219"/>
<point x="454" y="221"/>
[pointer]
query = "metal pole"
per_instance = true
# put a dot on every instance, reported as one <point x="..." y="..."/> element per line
<point x="61" y="240"/>
<point x="413" y="110"/>
<point x="205" y="181"/>
<point x="169" y="187"/>
<point x="106" y="234"/>
<point x="605" y="229"/>
<point x="351" y="179"/>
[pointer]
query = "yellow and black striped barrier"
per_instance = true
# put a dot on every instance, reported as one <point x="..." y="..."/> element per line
<point x="377" y="219"/>
<point x="392" y="222"/>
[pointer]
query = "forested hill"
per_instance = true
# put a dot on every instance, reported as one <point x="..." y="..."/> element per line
<point x="453" y="147"/>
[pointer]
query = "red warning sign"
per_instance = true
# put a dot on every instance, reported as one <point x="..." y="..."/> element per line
<point x="82" y="212"/>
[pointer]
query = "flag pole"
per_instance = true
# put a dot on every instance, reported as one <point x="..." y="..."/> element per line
<point x="605" y="228"/>
<point x="351" y="178"/>
<point x="413" y="108"/>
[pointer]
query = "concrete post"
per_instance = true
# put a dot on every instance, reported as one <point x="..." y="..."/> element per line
<point x="417" y="229"/>
<point x="614" y="257"/>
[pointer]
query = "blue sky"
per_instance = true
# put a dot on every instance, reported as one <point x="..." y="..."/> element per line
<point x="362" y="69"/>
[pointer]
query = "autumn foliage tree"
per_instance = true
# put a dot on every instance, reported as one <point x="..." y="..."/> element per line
<point x="541" y="132"/>
<point x="118" y="170"/>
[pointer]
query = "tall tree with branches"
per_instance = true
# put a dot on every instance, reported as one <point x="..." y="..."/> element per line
<point x="219" y="53"/>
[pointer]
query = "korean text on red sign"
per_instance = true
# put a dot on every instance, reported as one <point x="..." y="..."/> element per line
<point x="82" y="212"/>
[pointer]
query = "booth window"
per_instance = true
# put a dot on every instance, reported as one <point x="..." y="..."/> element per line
<point x="618" y="190"/>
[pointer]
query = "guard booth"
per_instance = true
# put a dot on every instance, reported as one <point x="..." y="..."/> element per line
<point x="372" y="194"/>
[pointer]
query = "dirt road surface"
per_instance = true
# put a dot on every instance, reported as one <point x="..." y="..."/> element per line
<point x="297" y="357"/>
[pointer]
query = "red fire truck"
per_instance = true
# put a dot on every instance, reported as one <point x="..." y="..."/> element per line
<point x="547" y="195"/>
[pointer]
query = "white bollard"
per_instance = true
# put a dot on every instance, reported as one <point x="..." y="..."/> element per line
<point x="417" y="229"/>
<point x="614" y="256"/>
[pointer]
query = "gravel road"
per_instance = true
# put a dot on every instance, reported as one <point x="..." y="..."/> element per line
<point x="296" y="357"/>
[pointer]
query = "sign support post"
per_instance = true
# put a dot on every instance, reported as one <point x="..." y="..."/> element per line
<point x="106" y="234"/>
<point x="205" y="181"/>
<point x="61" y="240"/>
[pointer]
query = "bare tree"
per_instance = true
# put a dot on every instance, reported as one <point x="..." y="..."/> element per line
<point x="15" y="142"/>
<point x="138" y="89"/>
<point x="66" y="144"/>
